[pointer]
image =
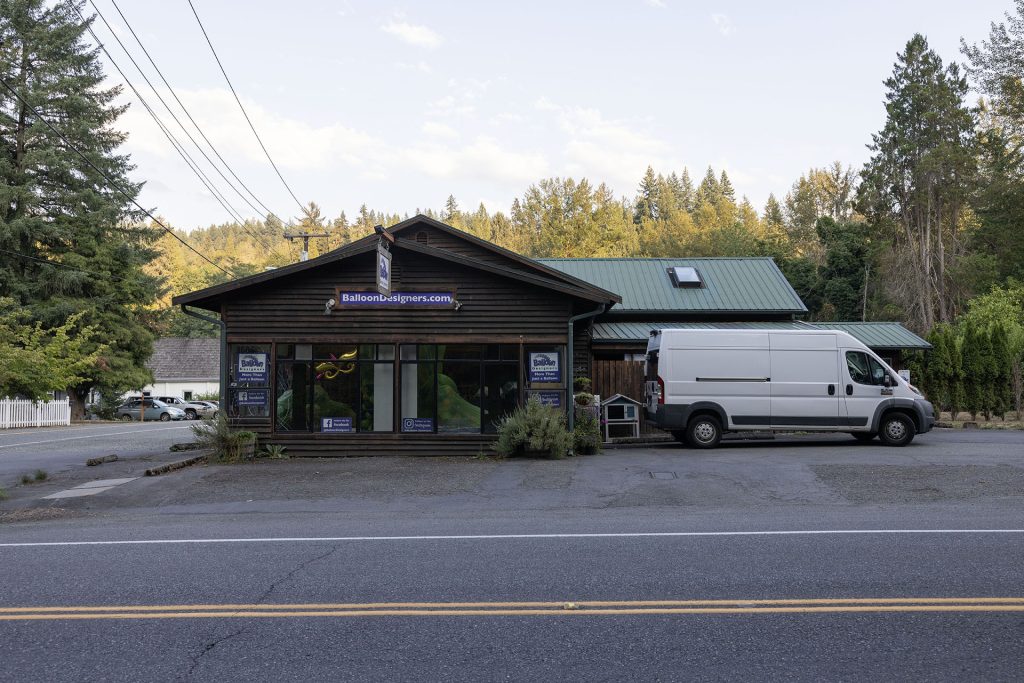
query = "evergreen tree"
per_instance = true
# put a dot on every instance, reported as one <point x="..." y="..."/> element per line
<point x="725" y="188"/>
<point x="647" y="198"/>
<point x="451" y="210"/>
<point x="773" y="215"/>
<point x="1002" y="376"/>
<point x="957" y="385"/>
<point x="918" y="180"/>
<point x="973" y="364"/>
<point x="708" y="192"/>
<point x="57" y="208"/>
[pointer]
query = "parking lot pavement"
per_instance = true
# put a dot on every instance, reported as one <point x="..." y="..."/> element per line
<point x="60" y="450"/>
<point x="944" y="477"/>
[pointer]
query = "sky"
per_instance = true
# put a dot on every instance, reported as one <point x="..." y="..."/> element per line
<point x="398" y="105"/>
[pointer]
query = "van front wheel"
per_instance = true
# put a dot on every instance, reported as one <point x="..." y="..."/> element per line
<point x="896" y="429"/>
<point x="704" y="431"/>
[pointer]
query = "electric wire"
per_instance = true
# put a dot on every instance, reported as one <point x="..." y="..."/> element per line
<point x="178" y="147"/>
<point x="185" y="109"/>
<point x="114" y="185"/>
<point x="194" y="165"/>
<point x="244" y="113"/>
<point x="105" y="276"/>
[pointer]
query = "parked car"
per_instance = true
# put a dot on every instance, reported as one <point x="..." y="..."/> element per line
<point x="155" y="410"/>
<point x="201" y="410"/>
<point x="703" y="382"/>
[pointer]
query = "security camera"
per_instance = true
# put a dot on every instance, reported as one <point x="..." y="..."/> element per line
<point x="331" y="303"/>
<point x="458" y="305"/>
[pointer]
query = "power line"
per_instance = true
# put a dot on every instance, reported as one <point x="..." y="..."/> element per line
<point x="185" y="109"/>
<point x="180" y="148"/>
<point x="105" y="276"/>
<point x="244" y="113"/>
<point x="113" y="184"/>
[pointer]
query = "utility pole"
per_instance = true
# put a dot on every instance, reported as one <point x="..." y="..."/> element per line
<point x="304" y="236"/>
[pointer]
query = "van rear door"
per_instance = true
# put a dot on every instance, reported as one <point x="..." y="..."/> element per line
<point x="805" y="381"/>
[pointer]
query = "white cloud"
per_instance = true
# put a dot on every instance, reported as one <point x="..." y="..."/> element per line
<point x="660" y="4"/>
<point x="604" y="149"/>
<point x="439" y="130"/>
<point x="413" y="34"/>
<point x="485" y="159"/>
<point x="723" y="23"/>
<point x="420" y="66"/>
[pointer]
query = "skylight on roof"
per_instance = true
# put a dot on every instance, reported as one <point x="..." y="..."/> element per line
<point x="684" y="276"/>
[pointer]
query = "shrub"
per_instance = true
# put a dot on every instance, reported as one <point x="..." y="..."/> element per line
<point x="586" y="434"/>
<point x="275" y="451"/>
<point x="534" y="427"/>
<point x="227" y="446"/>
<point x="40" y="475"/>
<point x="581" y="384"/>
<point x="3" y="493"/>
<point x="583" y="398"/>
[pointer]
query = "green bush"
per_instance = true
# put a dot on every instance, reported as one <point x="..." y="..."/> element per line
<point x="274" y="451"/>
<point x="3" y="494"/>
<point x="586" y="434"/>
<point x="226" y="445"/>
<point x="534" y="428"/>
<point x="581" y="384"/>
<point x="583" y="398"/>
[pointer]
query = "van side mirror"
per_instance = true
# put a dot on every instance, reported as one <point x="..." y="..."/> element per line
<point x="887" y="380"/>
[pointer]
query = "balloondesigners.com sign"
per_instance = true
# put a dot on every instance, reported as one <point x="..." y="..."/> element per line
<point x="350" y="299"/>
<point x="253" y="368"/>
<point x="545" y="367"/>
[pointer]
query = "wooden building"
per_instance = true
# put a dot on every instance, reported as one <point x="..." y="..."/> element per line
<point x="321" y="363"/>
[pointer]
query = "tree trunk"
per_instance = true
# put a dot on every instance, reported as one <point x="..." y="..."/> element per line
<point x="77" y="402"/>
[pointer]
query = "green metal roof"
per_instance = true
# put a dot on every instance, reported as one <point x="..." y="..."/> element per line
<point x="730" y="285"/>
<point x="875" y="335"/>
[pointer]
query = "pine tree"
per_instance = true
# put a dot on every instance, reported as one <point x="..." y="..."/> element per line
<point x="647" y="199"/>
<point x="708" y="192"/>
<point x="957" y="384"/>
<point x="773" y="215"/>
<point x="973" y="371"/>
<point x="451" y="210"/>
<point x="55" y="207"/>
<point x="725" y="188"/>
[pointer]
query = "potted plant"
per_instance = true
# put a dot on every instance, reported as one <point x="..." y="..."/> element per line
<point x="581" y="384"/>
<point x="584" y="398"/>
<point x="534" y="430"/>
<point x="586" y="434"/>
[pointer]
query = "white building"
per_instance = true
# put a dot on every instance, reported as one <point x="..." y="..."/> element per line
<point x="184" y="367"/>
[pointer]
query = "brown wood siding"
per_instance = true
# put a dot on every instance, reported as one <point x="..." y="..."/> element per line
<point x="624" y="377"/>
<point x="492" y="306"/>
<point x="358" y="445"/>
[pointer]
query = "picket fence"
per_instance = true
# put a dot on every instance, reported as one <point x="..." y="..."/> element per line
<point x="16" y="412"/>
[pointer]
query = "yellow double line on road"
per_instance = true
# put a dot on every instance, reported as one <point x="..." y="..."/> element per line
<point x="501" y="609"/>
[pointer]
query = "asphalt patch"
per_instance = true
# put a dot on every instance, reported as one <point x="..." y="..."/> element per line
<point x="921" y="483"/>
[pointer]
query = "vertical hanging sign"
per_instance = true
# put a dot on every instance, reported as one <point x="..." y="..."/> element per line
<point x="383" y="270"/>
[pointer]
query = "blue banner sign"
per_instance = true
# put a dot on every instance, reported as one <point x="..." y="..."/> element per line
<point x="396" y="300"/>
<point x="253" y="367"/>
<point x="549" y="398"/>
<point x="252" y="397"/>
<point x="417" y="424"/>
<point x="545" y="366"/>
<point x="336" y="425"/>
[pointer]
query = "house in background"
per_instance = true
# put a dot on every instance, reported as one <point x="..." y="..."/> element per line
<point x="184" y="367"/>
<point x="659" y="293"/>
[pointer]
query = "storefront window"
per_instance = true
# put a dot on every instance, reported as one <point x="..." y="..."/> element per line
<point x="292" y="395"/>
<point x="249" y="380"/>
<point x="419" y="388"/>
<point x="458" y="388"/>
<point x="376" y="387"/>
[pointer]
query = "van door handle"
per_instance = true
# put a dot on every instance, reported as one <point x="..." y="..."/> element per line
<point x="849" y="390"/>
<point x="831" y="389"/>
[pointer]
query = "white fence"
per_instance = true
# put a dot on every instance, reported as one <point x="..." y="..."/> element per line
<point x="15" y="412"/>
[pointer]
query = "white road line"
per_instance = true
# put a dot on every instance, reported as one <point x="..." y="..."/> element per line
<point x="498" y="537"/>
<point x="91" y="436"/>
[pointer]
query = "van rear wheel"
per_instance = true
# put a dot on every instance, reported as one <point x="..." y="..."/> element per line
<point x="704" y="431"/>
<point x="896" y="429"/>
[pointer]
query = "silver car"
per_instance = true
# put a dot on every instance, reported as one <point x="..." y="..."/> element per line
<point x="155" y="410"/>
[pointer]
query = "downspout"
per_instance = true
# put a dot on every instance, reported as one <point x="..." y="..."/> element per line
<point x="569" y="364"/>
<point x="223" y="353"/>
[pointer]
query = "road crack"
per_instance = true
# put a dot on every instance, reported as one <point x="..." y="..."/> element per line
<point x="197" y="659"/>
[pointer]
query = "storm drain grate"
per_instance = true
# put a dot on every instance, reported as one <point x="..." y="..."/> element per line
<point x="664" y="475"/>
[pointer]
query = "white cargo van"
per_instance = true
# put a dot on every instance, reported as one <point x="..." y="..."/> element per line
<point x="703" y="382"/>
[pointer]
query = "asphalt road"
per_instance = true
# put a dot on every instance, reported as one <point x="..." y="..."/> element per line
<point x="60" y="449"/>
<point x="890" y="564"/>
